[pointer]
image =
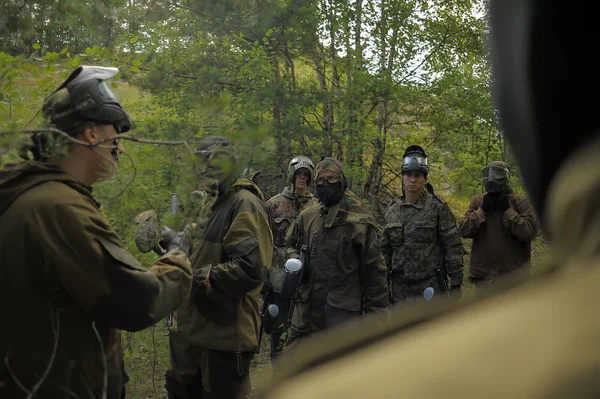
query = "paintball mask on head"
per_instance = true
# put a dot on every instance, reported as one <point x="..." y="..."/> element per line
<point x="496" y="177"/>
<point x="415" y="160"/>
<point x="330" y="190"/>
<point x="299" y="162"/>
<point x="85" y="99"/>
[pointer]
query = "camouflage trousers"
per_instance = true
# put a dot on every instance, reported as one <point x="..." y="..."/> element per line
<point x="205" y="373"/>
<point x="405" y="291"/>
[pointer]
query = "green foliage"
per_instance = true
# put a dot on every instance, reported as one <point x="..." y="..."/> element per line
<point x="359" y="80"/>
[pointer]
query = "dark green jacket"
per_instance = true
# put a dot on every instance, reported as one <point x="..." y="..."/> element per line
<point x="230" y="263"/>
<point x="345" y="268"/>
<point x="67" y="285"/>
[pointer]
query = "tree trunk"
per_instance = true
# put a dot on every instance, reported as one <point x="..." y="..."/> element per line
<point x="277" y="107"/>
<point x="326" y="117"/>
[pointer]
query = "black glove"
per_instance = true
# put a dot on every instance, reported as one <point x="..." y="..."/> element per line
<point x="489" y="203"/>
<point x="456" y="292"/>
<point x="172" y="239"/>
<point x="502" y="203"/>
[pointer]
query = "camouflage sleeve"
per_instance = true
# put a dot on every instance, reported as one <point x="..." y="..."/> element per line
<point x="374" y="274"/>
<point x="474" y="218"/>
<point x="249" y="245"/>
<point x="521" y="221"/>
<point x="270" y="216"/>
<point x="386" y="248"/>
<point x="292" y="239"/>
<point x="102" y="277"/>
<point x="451" y="243"/>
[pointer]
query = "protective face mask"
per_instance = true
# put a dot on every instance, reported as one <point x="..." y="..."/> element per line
<point x="492" y="186"/>
<point x="329" y="193"/>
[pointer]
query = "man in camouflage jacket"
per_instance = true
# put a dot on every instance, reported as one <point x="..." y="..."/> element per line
<point x="345" y="274"/>
<point x="421" y="236"/>
<point x="284" y="209"/>
<point x="215" y="332"/>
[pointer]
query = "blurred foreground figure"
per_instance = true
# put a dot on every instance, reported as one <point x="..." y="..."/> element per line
<point x="67" y="284"/>
<point x="535" y="339"/>
<point x="215" y="331"/>
<point x="502" y="226"/>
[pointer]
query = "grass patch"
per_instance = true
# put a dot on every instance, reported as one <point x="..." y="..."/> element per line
<point x="147" y="360"/>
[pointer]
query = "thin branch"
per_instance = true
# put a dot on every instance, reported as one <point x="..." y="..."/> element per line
<point x="12" y="374"/>
<point x="83" y="143"/>
<point x="104" y="363"/>
<point x="122" y="191"/>
<point x="153" y="362"/>
<point x="67" y="390"/>
<point x="56" y="333"/>
<point x="38" y="384"/>
<point x="203" y="14"/>
<point x="447" y="34"/>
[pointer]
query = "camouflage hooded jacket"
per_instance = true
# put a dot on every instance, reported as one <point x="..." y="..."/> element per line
<point x="230" y="263"/>
<point x="284" y="209"/>
<point x="420" y="237"/>
<point x="344" y="259"/>
<point x="67" y="285"/>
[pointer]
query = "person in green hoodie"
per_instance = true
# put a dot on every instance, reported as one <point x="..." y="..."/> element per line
<point x="215" y="332"/>
<point x="67" y="284"/>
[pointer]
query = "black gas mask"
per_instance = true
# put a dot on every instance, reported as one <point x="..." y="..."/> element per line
<point x="329" y="191"/>
<point x="496" y="179"/>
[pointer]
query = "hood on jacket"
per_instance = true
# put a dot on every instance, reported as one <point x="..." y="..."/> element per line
<point x="288" y="192"/>
<point x="17" y="178"/>
<point x="248" y="185"/>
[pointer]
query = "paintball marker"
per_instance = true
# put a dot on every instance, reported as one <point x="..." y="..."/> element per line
<point x="442" y="279"/>
<point x="268" y="315"/>
<point x="295" y="272"/>
<point x="173" y="208"/>
<point x="293" y="275"/>
<point x="428" y="293"/>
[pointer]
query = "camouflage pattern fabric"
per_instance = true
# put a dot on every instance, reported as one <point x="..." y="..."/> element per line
<point x="329" y="164"/>
<point x="345" y="269"/>
<point x="420" y="237"/>
<point x="404" y="291"/>
<point x="508" y="346"/>
<point x="284" y="209"/>
<point x="146" y="231"/>
<point x="66" y="278"/>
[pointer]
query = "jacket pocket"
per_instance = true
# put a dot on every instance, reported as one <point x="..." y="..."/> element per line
<point x="424" y="232"/>
<point x="121" y="255"/>
<point x="396" y="233"/>
<point x="280" y="228"/>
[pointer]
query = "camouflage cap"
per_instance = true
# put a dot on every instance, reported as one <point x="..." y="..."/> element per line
<point x="499" y="164"/>
<point x="331" y="164"/>
<point x="225" y="171"/>
<point x="213" y="143"/>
